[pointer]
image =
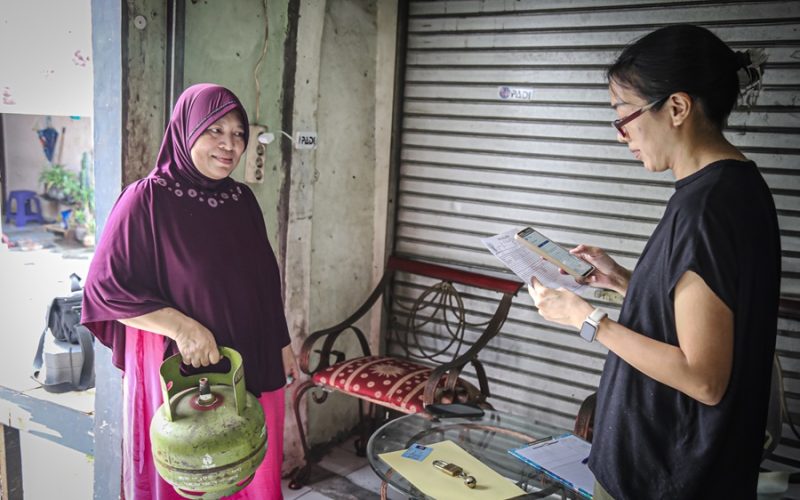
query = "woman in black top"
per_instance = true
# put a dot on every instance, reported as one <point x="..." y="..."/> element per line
<point x="682" y="402"/>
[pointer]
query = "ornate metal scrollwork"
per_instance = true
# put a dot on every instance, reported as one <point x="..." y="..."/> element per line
<point x="439" y="304"/>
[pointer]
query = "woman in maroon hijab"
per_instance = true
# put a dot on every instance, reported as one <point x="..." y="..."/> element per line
<point x="184" y="265"/>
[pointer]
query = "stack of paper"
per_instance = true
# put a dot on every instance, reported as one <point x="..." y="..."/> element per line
<point x="527" y="264"/>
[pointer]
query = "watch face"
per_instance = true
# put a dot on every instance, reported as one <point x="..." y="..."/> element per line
<point x="588" y="331"/>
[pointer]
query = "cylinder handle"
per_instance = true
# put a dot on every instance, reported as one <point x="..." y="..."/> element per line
<point x="174" y="382"/>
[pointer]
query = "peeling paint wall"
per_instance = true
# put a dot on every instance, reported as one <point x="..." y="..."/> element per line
<point x="223" y="46"/>
<point x="226" y="47"/>
<point x="342" y="226"/>
<point x="144" y="89"/>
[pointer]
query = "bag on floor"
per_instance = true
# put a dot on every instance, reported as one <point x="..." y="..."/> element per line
<point x="64" y="360"/>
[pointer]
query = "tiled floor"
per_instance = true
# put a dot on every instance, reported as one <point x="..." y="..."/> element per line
<point x="342" y="475"/>
<point x="33" y="237"/>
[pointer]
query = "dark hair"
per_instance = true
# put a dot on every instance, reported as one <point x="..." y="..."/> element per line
<point x="682" y="58"/>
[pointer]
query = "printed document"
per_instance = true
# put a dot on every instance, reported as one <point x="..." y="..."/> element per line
<point x="527" y="264"/>
<point x="562" y="457"/>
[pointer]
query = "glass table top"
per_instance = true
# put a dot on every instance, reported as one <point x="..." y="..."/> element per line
<point x="488" y="438"/>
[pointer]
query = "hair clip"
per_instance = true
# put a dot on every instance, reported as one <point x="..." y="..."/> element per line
<point x="750" y="74"/>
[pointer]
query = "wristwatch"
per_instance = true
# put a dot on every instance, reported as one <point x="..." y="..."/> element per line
<point x="591" y="323"/>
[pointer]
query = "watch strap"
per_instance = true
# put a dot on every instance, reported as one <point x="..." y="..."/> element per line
<point x="590" y="325"/>
<point x="597" y="316"/>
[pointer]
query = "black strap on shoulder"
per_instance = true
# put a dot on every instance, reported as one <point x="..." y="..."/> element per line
<point x="87" y="348"/>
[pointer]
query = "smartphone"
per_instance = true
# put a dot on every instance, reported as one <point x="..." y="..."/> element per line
<point x="454" y="410"/>
<point x="556" y="254"/>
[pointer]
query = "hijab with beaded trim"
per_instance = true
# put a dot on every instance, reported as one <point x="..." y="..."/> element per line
<point x="198" y="107"/>
<point x="180" y="239"/>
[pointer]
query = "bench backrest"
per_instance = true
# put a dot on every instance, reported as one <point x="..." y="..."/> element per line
<point x="434" y="325"/>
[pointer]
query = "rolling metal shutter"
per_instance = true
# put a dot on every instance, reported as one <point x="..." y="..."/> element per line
<point x="473" y="164"/>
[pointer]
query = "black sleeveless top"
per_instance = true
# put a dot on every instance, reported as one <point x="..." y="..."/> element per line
<point x="652" y="441"/>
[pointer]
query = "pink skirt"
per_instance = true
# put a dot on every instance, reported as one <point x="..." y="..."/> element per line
<point x="142" y="397"/>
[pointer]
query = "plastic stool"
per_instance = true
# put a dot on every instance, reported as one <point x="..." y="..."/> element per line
<point x="23" y="203"/>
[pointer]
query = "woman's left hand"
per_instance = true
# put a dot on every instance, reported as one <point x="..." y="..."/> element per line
<point x="559" y="305"/>
<point x="290" y="365"/>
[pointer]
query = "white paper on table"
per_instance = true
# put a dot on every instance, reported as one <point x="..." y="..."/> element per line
<point x="527" y="264"/>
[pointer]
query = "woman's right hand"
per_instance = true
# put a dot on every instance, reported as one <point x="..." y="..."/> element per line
<point x="607" y="274"/>
<point x="196" y="343"/>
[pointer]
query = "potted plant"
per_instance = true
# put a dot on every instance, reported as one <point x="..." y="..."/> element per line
<point x="84" y="225"/>
<point x="83" y="213"/>
<point x="60" y="184"/>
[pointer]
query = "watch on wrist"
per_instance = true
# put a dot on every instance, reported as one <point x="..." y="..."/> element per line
<point x="591" y="324"/>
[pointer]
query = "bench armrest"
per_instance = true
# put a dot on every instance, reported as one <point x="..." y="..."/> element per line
<point x="332" y="333"/>
<point x="453" y="368"/>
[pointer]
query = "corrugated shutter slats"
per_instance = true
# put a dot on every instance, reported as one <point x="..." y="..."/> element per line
<point x="473" y="165"/>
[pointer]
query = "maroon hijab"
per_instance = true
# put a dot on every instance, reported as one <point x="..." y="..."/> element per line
<point x="180" y="239"/>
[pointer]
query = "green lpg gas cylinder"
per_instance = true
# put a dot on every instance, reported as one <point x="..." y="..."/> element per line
<point x="208" y="438"/>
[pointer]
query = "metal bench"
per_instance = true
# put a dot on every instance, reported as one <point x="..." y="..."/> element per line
<point x="425" y="373"/>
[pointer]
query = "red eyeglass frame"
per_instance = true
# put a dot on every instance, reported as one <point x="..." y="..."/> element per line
<point x="620" y="123"/>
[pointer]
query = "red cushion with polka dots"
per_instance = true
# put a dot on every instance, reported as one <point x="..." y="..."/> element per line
<point x="396" y="383"/>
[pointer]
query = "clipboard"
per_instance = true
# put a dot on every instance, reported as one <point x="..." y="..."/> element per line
<point x="561" y="457"/>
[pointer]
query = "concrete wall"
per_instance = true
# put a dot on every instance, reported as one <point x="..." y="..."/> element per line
<point x="25" y="159"/>
<point x="231" y="57"/>
<point x="333" y="187"/>
<point x="144" y="77"/>
<point x="227" y="58"/>
<point x="344" y="180"/>
<point x="225" y="49"/>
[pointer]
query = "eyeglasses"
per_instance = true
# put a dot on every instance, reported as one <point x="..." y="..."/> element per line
<point x="620" y="123"/>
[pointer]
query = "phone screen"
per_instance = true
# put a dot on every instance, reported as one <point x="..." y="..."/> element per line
<point x="555" y="251"/>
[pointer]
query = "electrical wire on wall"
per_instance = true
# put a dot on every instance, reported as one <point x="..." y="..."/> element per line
<point x="265" y="137"/>
<point x="255" y="155"/>
<point x="258" y="63"/>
